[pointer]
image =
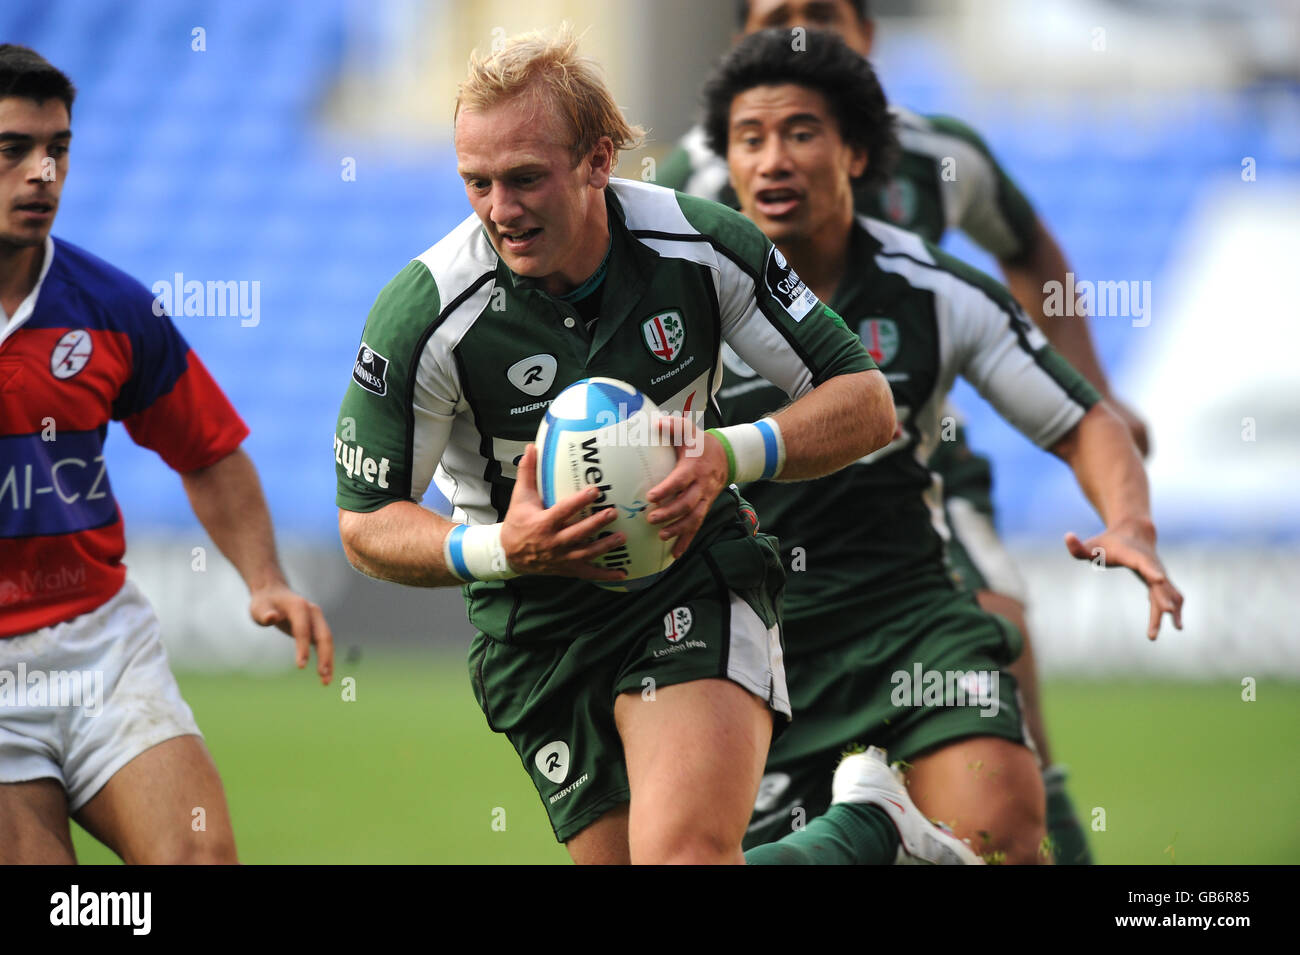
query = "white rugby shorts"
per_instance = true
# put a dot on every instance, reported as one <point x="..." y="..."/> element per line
<point x="81" y="699"/>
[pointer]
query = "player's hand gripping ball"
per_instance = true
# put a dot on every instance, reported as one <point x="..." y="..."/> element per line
<point x="602" y="432"/>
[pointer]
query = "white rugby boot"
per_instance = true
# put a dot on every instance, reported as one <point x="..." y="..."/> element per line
<point x="866" y="778"/>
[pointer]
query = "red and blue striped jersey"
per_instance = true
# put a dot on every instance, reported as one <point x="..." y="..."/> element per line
<point x="90" y="349"/>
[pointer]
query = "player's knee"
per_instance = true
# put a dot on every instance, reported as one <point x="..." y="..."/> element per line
<point x="211" y="849"/>
<point x="35" y="848"/>
<point x="1029" y="848"/>
<point x="207" y="853"/>
<point x="1018" y="838"/>
<point x="686" y="846"/>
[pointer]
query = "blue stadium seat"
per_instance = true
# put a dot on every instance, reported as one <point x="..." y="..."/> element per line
<point x="213" y="164"/>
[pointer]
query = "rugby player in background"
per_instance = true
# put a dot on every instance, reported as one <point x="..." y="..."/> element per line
<point x="977" y="196"/>
<point x="871" y="611"/>
<point x="80" y="345"/>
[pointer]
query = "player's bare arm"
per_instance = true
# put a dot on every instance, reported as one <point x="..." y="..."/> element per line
<point x="833" y="425"/>
<point x="1027" y="276"/>
<point x="836" y="423"/>
<point x="227" y="499"/>
<point x="401" y="542"/>
<point x="404" y="542"/>
<point x="1106" y="464"/>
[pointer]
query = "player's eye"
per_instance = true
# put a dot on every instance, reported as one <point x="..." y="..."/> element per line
<point x="57" y="151"/>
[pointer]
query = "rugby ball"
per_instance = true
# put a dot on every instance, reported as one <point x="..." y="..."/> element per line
<point x="601" y="431"/>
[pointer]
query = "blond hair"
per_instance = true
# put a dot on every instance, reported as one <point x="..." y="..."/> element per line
<point x="549" y="70"/>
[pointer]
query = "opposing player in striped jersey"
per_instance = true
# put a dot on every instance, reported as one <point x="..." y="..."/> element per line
<point x="92" y="723"/>
<point x="946" y="178"/>
<point x="644" y="718"/>
<point x="881" y="646"/>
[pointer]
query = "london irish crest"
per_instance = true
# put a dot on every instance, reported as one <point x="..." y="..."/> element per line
<point x="677" y="623"/>
<point x="880" y="335"/>
<point x="664" y="335"/>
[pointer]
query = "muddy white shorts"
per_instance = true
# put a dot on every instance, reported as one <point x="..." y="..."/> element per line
<point x="81" y="699"/>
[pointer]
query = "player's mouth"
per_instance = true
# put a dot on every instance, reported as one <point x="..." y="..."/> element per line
<point x="35" y="211"/>
<point x="521" y="240"/>
<point x="777" y="203"/>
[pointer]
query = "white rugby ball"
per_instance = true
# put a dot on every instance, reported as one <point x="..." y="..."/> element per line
<point x="601" y="431"/>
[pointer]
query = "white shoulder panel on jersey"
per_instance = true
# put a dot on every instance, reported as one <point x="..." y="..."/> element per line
<point x="650" y="208"/>
<point x="459" y="258"/>
<point x="904" y="118"/>
<point x="655" y="209"/>
<point x="896" y="241"/>
<point x="989" y="345"/>
<point x="445" y="438"/>
<point x="970" y="194"/>
<point x="744" y="324"/>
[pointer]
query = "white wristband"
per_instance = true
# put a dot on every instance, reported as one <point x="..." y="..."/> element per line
<point x="755" y="452"/>
<point x="475" y="553"/>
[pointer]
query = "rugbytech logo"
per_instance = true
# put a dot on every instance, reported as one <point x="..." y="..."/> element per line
<point x="533" y="376"/>
<point x="553" y="761"/>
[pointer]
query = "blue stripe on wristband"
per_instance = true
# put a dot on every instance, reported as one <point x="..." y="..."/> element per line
<point x="770" y="449"/>
<point x="456" y="551"/>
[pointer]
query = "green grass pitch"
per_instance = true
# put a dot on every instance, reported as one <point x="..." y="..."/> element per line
<point x="410" y="773"/>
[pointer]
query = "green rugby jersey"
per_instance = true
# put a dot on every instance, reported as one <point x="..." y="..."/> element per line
<point x="946" y="179"/>
<point x="460" y="358"/>
<point x="876" y="529"/>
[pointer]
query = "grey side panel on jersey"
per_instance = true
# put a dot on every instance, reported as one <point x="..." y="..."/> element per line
<point x="753" y="337"/>
<point x="987" y="344"/>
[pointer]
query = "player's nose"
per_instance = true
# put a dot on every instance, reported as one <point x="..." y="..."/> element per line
<point x="38" y="168"/>
<point x="774" y="158"/>
<point x="505" y="207"/>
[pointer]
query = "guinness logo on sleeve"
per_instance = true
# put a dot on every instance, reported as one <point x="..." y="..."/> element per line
<point x="371" y="370"/>
<point x="786" y="286"/>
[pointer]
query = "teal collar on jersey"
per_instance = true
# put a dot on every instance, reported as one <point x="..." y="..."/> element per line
<point x="593" y="281"/>
<point x="629" y="266"/>
<point x="860" y="270"/>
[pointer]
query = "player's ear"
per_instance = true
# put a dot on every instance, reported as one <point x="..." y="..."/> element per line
<point x="858" y="160"/>
<point x="602" y="163"/>
<point x="868" y="29"/>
